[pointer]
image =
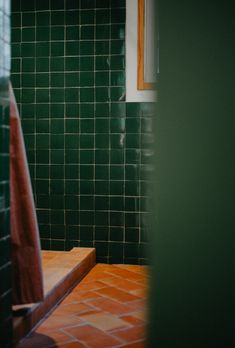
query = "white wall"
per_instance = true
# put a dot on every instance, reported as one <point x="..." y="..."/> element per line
<point x="132" y="94"/>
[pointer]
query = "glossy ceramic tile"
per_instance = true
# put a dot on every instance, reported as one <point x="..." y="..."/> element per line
<point x="90" y="317"/>
<point x="87" y="148"/>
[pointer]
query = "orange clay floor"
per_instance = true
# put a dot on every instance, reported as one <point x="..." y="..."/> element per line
<point x="106" y="309"/>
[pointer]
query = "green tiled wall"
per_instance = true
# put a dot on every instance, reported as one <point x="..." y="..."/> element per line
<point x="5" y="272"/>
<point x="87" y="148"/>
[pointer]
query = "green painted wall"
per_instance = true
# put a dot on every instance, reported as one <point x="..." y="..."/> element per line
<point x="192" y="289"/>
<point x="5" y="275"/>
<point x="88" y="150"/>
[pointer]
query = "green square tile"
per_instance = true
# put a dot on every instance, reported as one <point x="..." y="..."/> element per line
<point x="87" y="48"/>
<point x="132" y="235"/>
<point x="56" y="171"/>
<point x="71" y="187"/>
<point x="42" y="171"/>
<point x="57" y="18"/>
<point x="86" y="218"/>
<point x="28" y="19"/>
<point x="71" y="202"/>
<point x="118" y="78"/>
<point x="132" y="125"/>
<point x="116" y="188"/>
<point x="87" y="32"/>
<point x="87" y="187"/>
<point x="72" y="17"/>
<point x="57" y="217"/>
<point x="42" y="49"/>
<point x="101" y="218"/>
<point x="132" y="220"/>
<point x="101" y="203"/>
<point x="87" y="110"/>
<point x="102" y="156"/>
<point x="86" y="156"/>
<point x="101" y="172"/>
<point x="43" y="18"/>
<point x="42" y="64"/>
<point x="116" y="250"/>
<point x="117" y="62"/>
<point x="132" y="141"/>
<point x="42" y="5"/>
<point x="71" y="95"/>
<point x="71" y="156"/>
<point x="42" y="95"/>
<point x="87" y="94"/>
<point x="86" y="79"/>
<point x="116" y="233"/>
<point x="43" y="33"/>
<point x="28" y="80"/>
<point x="118" y="47"/>
<point x="72" y="48"/>
<point x="118" y="15"/>
<point x="57" y="49"/>
<point x="86" y="141"/>
<point x="57" y="110"/>
<point x="72" y="110"/>
<point x="57" y="79"/>
<point x="16" y="63"/>
<point x="102" y="141"/>
<point x="42" y="141"/>
<point x="72" y="33"/>
<point x="71" y="171"/>
<point x="16" y="50"/>
<point x="27" y="95"/>
<point x="42" y="126"/>
<point x="102" y="16"/>
<point x="87" y="63"/>
<point x="86" y="232"/>
<point x="42" y="156"/>
<point x="116" y="218"/>
<point x="116" y="172"/>
<point x="102" y="63"/>
<point x="86" y="172"/>
<point x="72" y="217"/>
<point x="57" y="156"/>
<point x="87" y="4"/>
<point x="102" y="125"/>
<point x="57" y="141"/>
<point x="28" y="49"/>
<point x="132" y="188"/>
<point x="42" y="80"/>
<point x="116" y="203"/>
<point x="42" y="110"/>
<point x="57" y="126"/>
<point x="72" y="79"/>
<point x="102" y="33"/>
<point x="133" y="110"/>
<point x="87" y="126"/>
<point x="102" y="110"/>
<point x="71" y="141"/>
<point x="57" y="95"/>
<point x="101" y="233"/>
<point x="28" y="34"/>
<point x="57" y="33"/>
<point x="117" y="93"/>
<point x="102" y="187"/>
<point x="87" y="16"/>
<point x="102" y="94"/>
<point x="118" y="109"/>
<point x="116" y="156"/>
<point x="57" y="64"/>
<point x="102" y="78"/>
<point x="16" y="20"/>
<point x="72" y="126"/>
<point x="71" y="63"/>
<point x="132" y="172"/>
<point x="118" y="31"/>
<point x="117" y="141"/>
<point x="86" y="202"/>
<point x="117" y="125"/>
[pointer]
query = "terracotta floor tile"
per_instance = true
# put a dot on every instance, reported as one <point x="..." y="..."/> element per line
<point x="91" y="285"/>
<point x="74" y="308"/>
<point x="132" y="334"/>
<point x="117" y="294"/>
<point x="77" y="296"/>
<point x="93" y="337"/>
<point x="140" y="344"/>
<point x="142" y="292"/>
<point x="105" y="321"/>
<point x="111" y="306"/>
<point x="36" y="340"/>
<point x="126" y="274"/>
<point x="132" y="319"/>
<point x="57" y="322"/>
<point x="123" y="284"/>
<point x="71" y="345"/>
